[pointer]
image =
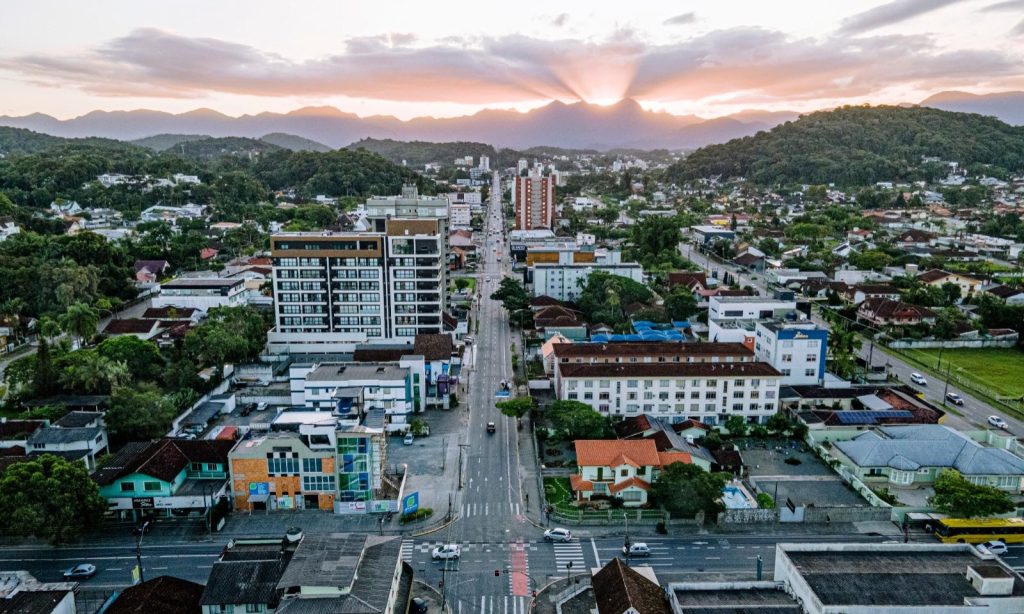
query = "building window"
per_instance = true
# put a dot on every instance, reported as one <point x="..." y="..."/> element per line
<point x="152" y="486"/>
<point x="282" y="466"/>
<point x="812" y="358"/>
<point x="127" y="487"/>
<point x="312" y="465"/>
<point x="318" y="482"/>
<point x="809" y="372"/>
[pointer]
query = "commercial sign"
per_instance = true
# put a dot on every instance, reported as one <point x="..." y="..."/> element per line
<point x="259" y="488"/>
<point x="410" y="503"/>
<point x="143" y="503"/>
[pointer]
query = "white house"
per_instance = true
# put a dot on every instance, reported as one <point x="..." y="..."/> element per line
<point x="201" y="293"/>
<point x="351" y="388"/>
<point x="622" y="468"/>
<point x="565" y="281"/>
<point x="796" y="349"/>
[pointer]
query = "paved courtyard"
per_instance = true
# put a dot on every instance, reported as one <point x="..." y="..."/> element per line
<point x="809" y="482"/>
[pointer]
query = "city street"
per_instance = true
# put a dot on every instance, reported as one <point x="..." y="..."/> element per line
<point x="973" y="414"/>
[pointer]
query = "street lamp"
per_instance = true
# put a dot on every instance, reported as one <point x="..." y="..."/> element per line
<point x="138" y="550"/>
<point x="625" y="518"/>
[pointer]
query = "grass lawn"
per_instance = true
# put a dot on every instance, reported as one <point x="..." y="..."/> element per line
<point x="557" y="491"/>
<point x="471" y="280"/>
<point x="999" y="369"/>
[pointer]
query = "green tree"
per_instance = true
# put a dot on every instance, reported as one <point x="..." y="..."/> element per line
<point x="515" y="408"/>
<point x="684" y="490"/>
<point x="45" y="379"/>
<point x="50" y="498"/>
<point x="50" y="328"/>
<point x="680" y="304"/>
<point x="843" y="344"/>
<point x="959" y="498"/>
<point x="512" y="295"/>
<point x="80" y="320"/>
<point x="655" y="242"/>
<point x="461" y="283"/>
<point x="604" y="295"/>
<point x="86" y="371"/>
<point x="765" y="501"/>
<point x="737" y="426"/>
<point x="142" y="357"/>
<point x="779" y="424"/>
<point x="227" y="335"/>
<point x="577" y="420"/>
<point x="872" y="259"/>
<point x="139" y="413"/>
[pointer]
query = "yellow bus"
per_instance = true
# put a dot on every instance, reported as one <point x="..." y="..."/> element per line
<point x="976" y="531"/>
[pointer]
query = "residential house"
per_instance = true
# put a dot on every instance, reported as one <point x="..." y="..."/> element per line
<point x="160" y="595"/>
<point x="1012" y="296"/>
<point x="22" y="593"/>
<point x="14" y="435"/>
<point x="694" y="282"/>
<point x="861" y="292"/>
<point x="346" y="389"/>
<point x="915" y="455"/>
<point x="245" y="577"/>
<point x="149" y="271"/>
<point x="938" y="277"/>
<point x="137" y="327"/>
<point x="620" y="589"/>
<point x="165" y="475"/>
<point x="885" y="312"/>
<point x="669" y="437"/>
<point x="912" y="238"/>
<point x="202" y="293"/>
<point x="8" y="228"/>
<point x="621" y="468"/>
<point x="65" y="438"/>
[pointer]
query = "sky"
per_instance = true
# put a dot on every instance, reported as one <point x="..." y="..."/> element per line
<point x="448" y="58"/>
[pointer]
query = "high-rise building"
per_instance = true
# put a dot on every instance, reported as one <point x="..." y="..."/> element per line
<point x="535" y="202"/>
<point x="385" y="280"/>
<point x="485" y="163"/>
<point x="522" y="165"/>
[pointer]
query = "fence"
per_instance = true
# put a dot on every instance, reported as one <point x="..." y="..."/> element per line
<point x="1008" y="341"/>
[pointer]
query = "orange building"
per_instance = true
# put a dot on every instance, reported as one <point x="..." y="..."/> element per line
<point x="282" y="471"/>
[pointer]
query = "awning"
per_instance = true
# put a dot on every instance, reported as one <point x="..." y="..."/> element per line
<point x="259" y="498"/>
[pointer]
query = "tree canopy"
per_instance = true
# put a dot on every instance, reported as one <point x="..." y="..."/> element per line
<point x="605" y="296"/>
<point x="577" y="420"/>
<point x="959" y="498"/>
<point x="50" y="498"/>
<point x="684" y="490"/>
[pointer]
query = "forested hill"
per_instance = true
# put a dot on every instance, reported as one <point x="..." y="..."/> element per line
<point x="21" y="141"/>
<point x="859" y="146"/>
<point x="418" y="153"/>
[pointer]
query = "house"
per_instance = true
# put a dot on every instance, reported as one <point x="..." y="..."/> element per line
<point x="22" y="593"/>
<point x="620" y="589"/>
<point x="669" y="436"/>
<point x="694" y="282"/>
<point x="245" y="577"/>
<point x="8" y="228"/>
<point x="80" y="443"/>
<point x="149" y="271"/>
<point x="165" y="314"/>
<point x="14" y="435"/>
<point x="707" y="234"/>
<point x="165" y="475"/>
<point x="913" y="238"/>
<point x="136" y="327"/>
<point x="160" y="595"/>
<point x="938" y="277"/>
<point x="621" y="468"/>
<point x="202" y="293"/>
<point x="916" y="454"/>
<point x="750" y="261"/>
<point x="796" y="349"/>
<point x="861" y="292"/>
<point x="885" y="312"/>
<point x="1012" y="296"/>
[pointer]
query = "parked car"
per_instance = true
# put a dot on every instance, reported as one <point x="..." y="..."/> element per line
<point x="637" y="549"/>
<point x="998" y="422"/>
<point x="954" y="398"/>
<point x="419" y="605"/>
<point x="918" y="379"/>
<point x="996" y="547"/>
<point x="491" y="428"/>
<point x="448" y="551"/>
<point x="262" y="406"/>
<point x="247" y="408"/>
<point x="558" y="535"/>
<point x="82" y="571"/>
<point x="409" y="439"/>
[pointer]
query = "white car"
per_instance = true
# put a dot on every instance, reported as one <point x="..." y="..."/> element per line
<point x="82" y="571"/>
<point x="998" y="422"/>
<point x="637" y="549"/>
<point x="448" y="551"/>
<point x="558" y="535"/>
<point x="993" y="547"/>
<point x="918" y="379"/>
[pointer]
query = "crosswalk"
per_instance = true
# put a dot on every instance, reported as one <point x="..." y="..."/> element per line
<point x="407" y="547"/>
<point x="569" y="552"/>
<point x="469" y="510"/>
<point x="509" y="604"/>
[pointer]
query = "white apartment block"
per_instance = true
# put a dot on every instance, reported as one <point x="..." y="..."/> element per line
<point x="460" y="214"/>
<point x="353" y="389"/>
<point x="796" y="349"/>
<point x="202" y="293"/>
<point x="565" y="281"/>
<point x="748" y="308"/>
<point x="708" y="392"/>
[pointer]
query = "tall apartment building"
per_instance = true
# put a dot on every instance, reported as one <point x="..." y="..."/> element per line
<point x="535" y="201"/>
<point x="386" y="280"/>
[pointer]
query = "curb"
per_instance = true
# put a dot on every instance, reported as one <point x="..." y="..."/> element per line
<point x="541" y="590"/>
<point x="455" y="517"/>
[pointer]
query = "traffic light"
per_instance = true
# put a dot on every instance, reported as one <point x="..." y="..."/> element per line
<point x="497" y="572"/>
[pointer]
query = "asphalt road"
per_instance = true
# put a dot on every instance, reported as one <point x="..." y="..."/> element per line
<point x="973" y="414"/>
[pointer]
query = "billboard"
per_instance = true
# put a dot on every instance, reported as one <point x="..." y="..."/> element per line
<point x="259" y="488"/>
<point x="410" y="503"/>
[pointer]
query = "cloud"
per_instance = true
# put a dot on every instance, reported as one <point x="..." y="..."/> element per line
<point x="1007" y="5"/>
<point x="561" y="20"/>
<point x="681" y="19"/>
<point x="888" y="14"/>
<point x="741" y="65"/>
<point x="1018" y="30"/>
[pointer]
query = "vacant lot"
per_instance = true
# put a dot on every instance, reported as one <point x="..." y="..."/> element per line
<point x="998" y="369"/>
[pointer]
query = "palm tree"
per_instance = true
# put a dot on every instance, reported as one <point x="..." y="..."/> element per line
<point x="80" y="320"/>
<point x="50" y="329"/>
<point x="94" y="373"/>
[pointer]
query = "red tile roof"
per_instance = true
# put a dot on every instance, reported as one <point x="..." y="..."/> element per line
<point x="577" y="483"/>
<point x="667" y="458"/>
<point x="616" y="452"/>
<point x="624" y="484"/>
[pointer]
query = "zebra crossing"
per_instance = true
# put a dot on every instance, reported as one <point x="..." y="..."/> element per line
<point x="469" y="510"/>
<point x="491" y="605"/>
<point x="407" y="547"/>
<point x="569" y="552"/>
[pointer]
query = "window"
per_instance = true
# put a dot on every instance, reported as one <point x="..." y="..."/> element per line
<point x="737" y="406"/>
<point x="127" y="487"/>
<point x="812" y="358"/>
<point x="279" y="466"/>
<point x="809" y="372"/>
<point x="152" y="486"/>
<point x="711" y="394"/>
<point x="737" y="394"/>
<point x="623" y="473"/>
<point x="312" y="465"/>
<point x="318" y="482"/>
<point x="631" y="383"/>
<point x="787" y="358"/>
<point x="785" y="372"/>
<point x="254" y="607"/>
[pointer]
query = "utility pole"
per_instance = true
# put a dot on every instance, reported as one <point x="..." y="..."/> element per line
<point x="138" y="550"/>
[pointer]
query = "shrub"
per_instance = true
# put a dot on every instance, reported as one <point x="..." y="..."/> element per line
<point x="421" y="514"/>
<point x="661" y="529"/>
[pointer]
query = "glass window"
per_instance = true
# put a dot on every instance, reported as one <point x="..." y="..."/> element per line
<point x="312" y="465"/>
<point x="152" y="486"/>
<point x="127" y="487"/>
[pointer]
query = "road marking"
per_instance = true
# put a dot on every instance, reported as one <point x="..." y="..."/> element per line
<point x="597" y="557"/>
<point x="115" y="568"/>
<point x="712" y="558"/>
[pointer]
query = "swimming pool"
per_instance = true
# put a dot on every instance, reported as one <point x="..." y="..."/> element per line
<point x="734" y="498"/>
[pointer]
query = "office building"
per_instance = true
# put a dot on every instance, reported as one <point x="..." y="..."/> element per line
<point x="534" y="201"/>
<point x="796" y="349"/>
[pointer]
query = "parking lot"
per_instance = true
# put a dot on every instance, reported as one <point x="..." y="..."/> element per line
<point x="432" y="460"/>
<point x="811" y="482"/>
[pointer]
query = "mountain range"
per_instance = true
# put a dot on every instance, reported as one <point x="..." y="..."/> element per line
<point x="579" y="125"/>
